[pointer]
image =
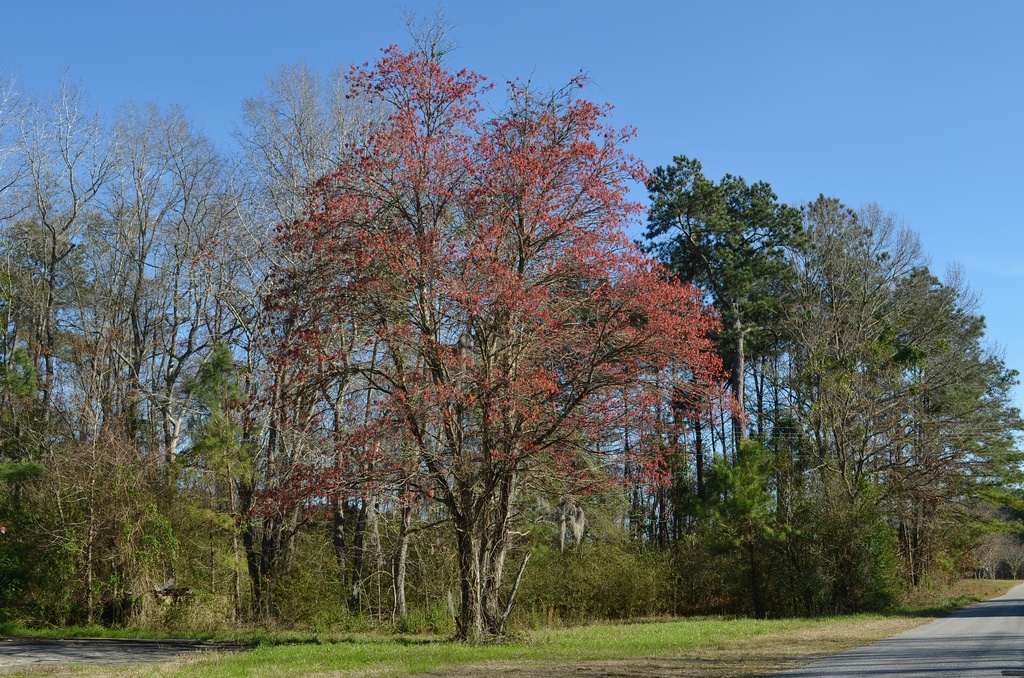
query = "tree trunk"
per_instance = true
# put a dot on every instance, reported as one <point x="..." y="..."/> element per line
<point x="236" y="553"/>
<point x="236" y="575"/>
<point x="89" y="539"/>
<point x="265" y="543"/>
<point x="497" y="540"/>
<point x="755" y="581"/>
<point x="359" y="549"/>
<point x="401" y="558"/>
<point x="338" y="537"/>
<point x="698" y="444"/>
<point x="736" y="379"/>
<point x="561" y="528"/>
<point x="471" y="617"/>
<point x="760" y="378"/>
<point x="259" y="571"/>
<point x="172" y="432"/>
<point x="340" y="504"/>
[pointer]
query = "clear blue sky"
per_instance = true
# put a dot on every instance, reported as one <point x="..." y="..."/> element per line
<point x="914" y="105"/>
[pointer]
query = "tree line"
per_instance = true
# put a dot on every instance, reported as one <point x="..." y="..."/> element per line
<point x="394" y="361"/>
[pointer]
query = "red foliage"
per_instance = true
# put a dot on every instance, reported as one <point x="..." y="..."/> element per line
<point x="469" y="280"/>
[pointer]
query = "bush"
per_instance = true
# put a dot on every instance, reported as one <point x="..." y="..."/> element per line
<point x="436" y="619"/>
<point x="591" y="582"/>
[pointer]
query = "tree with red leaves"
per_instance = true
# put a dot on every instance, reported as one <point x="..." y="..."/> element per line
<point x="466" y="279"/>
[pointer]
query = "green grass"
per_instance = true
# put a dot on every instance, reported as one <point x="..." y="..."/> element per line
<point x="376" y="655"/>
<point x="935" y="602"/>
<point x="686" y="647"/>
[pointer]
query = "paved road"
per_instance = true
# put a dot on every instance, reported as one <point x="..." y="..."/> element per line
<point x="986" y="639"/>
<point x="19" y="653"/>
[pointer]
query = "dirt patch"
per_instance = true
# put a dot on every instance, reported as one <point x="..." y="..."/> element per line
<point x="21" y="653"/>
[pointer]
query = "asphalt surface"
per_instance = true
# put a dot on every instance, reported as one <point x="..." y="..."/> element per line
<point x="19" y="653"/>
<point x="986" y="639"/>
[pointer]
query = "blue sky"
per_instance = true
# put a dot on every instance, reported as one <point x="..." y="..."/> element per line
<point x="914" y="105"/>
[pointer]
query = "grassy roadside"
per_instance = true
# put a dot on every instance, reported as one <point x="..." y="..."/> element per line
<point x="685" y="648"/>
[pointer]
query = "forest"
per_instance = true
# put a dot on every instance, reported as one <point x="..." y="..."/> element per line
<point x="394" y="363"/>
